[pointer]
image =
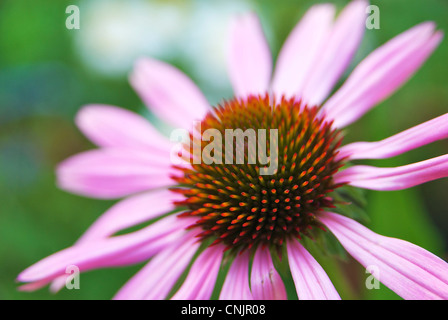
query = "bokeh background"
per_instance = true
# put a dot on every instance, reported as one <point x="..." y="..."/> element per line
<point x="48" y="72"/>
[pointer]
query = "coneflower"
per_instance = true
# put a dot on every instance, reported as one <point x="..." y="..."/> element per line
<point x="212" y="214"/>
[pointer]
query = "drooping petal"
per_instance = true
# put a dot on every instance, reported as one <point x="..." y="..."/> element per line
<point x="425" y="133"/>
<point x="201" y="278"/>
<point x="109" y="126"/>
<point x="114" y="173"/>
<point x="398" y="178"/>
<point x="300" y="50"/>
<point x="236" y="285"/>
<point x="33" y="286"/>
<point x="249" y="59"/>
<point x="121" y="250"/>
<point x="410" y="271"/>
<point x="337" y="52"/>
<point x="265" y="281"/>
<point x="148" y="250"/>
<point x="126" y="213"/>
<point x="312" y="283"/>
<point x="169" y="93"/>
<point x="381" y="73"/>
<point x="157" y="278"/>
<point x="136" y="255"/>
<point x="131" y="212"/>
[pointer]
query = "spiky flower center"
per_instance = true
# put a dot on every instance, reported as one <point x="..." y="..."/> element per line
<point x="236" y="205"/>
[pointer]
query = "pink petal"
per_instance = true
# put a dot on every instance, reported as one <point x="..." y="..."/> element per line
<point x="266" y="283"/>
<point x="33" y="286"/>
<point x="201" y="278"/>
<point x="147" y="250"/>
<point x="134" y="256"/>
<point x="337" y="52"/>
<point x="381" y="73"/>
<point x="114" y="173"/>
<point x="236" y="285"/>
<point x="109" y="126"/>
<point x="298" y="54"/>
<point x="169" y="93"/>
<point x="131" y="212"/>
<point x="249" y="59"/>
<point x="121" y="250"/>
<point x="410" y="271"/>
<point x="398" y="178"/>
<point x="425" y="133"/>
<point x="312" y="283"/>
<point x="126" y="213"/>
<point x="157" y="278"/>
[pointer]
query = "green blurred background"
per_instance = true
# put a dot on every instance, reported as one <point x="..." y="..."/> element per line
<point x="48" y="72"/>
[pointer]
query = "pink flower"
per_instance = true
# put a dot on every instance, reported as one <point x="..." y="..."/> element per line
<point x="245" y="216"/>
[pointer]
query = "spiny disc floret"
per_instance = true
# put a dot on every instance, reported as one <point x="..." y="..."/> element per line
<point x="240" y="208"/>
